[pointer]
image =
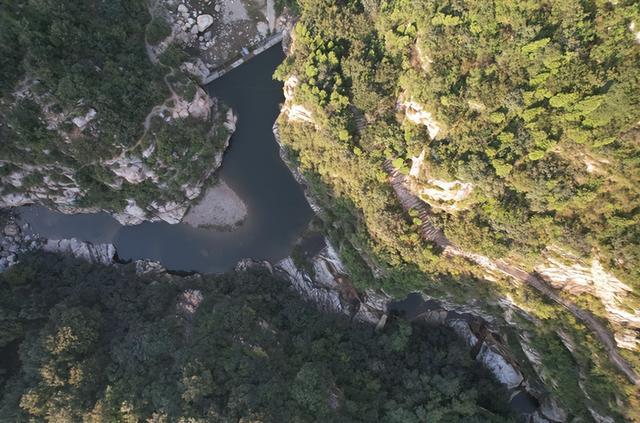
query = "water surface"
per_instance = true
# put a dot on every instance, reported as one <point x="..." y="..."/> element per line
<point x="277" y="210"/>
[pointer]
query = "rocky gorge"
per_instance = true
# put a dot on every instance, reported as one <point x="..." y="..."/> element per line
<point x="493" y="331"/>
<point x="324" y="282"/>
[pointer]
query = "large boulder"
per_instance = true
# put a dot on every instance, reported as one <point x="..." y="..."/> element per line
<point x="11" y="229"/>
<point x="204" y="22"/>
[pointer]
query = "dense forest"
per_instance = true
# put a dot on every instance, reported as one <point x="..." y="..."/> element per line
<point x="86" y="343"/>
<point x="537" y="106"/>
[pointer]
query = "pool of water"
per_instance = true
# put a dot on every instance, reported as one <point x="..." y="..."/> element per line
<point x="277" y="210"/>
<point x="414" y="305"/>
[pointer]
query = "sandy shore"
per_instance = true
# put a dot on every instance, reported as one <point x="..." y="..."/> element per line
<point x="219" y="208"/>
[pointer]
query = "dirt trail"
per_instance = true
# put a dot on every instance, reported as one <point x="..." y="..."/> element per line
<point x="433" y="234"/>
<point x="155" y="111"/>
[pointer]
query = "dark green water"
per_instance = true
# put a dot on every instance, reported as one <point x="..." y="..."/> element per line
<point x="277" y="210"/>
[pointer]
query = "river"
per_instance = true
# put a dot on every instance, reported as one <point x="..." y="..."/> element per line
<point x="277" y="210"/>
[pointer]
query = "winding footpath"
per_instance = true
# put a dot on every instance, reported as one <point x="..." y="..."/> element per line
<point x="430" y="232"/>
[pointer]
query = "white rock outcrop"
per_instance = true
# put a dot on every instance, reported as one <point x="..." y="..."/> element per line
<point x="60" y="193"/>
<point x="496" y="363"/>
<point x="82" y="121"/>
<point x="132" y="169"/>
<point x="416" y="113"/>
<point x="147" y="267"/>
<point x="294" y="112"/>
<point x="492" y="359"/>
<point x="454" y="191"/>
<point x="446" y="195"/>
<point x="200" y="106"/>
<point x="231" y="121"/>
<point x="94" y="253"/>
<point x="424" y="60"/>
<point x="189" y="301"/>
<point x="327" y="265"/>
<point x="15" y="178"/>
<point x="632" y="28"/>
<point x="326" y="299"/>
<point x="196" y="68"/>
<point x="566" y="272"/>
<point x="170" y="212"/>
<point x="132" y="214"/>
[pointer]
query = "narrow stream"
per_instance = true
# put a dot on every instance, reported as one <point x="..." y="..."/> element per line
<point x="277" y="210"/>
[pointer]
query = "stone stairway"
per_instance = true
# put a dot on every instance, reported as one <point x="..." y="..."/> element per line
<point x="361" y="122"/>
<point x="409" y="201"/>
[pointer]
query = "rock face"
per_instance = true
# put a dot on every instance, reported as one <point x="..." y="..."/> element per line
<point x="13" y="243"/>
<point x="416" y="113"/>
<point x="440" y="194"/>
<point x="294" y="112"/>
<point x="577" y="277"/>
<point x="94" y="253"/>
<point x="498" y="365"/>
<point x="329" y="289"/>
<point x="297" y="175"/>
<point x="325" y="298"/>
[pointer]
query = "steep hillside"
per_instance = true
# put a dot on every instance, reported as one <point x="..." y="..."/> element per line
<point x="509" y="132"/>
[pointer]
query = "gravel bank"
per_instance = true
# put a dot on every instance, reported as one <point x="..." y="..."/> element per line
<point x="220" y="208"/>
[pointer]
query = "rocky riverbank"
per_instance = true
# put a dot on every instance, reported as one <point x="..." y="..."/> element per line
<point x="217" y="34"/>
<point x="15" y="242"/>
